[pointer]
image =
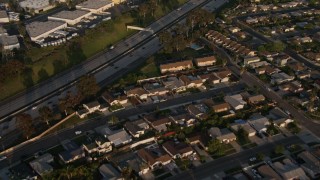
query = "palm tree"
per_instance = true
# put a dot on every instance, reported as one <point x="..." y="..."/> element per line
<point x="113" y="120"/>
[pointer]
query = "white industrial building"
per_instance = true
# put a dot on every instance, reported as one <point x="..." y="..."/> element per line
<point x="36" y="5"/>
<point x="70" y="17"/>
<point x="9" y="42"/>
<point x="4" y="17"/>
<point x="119" y="1"/>
<point x="39" y="30"/>
<point x="95" y="6"/>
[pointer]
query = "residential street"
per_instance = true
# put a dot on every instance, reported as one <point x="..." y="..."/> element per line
<point x="208" y="170"/>
<point x="68" y="133"/>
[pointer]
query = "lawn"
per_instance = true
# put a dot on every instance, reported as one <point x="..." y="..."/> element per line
<point x="150" y="69"/>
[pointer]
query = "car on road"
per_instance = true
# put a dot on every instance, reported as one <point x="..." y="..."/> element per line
<point x="3" y="158"/>
<point x="252" y="159"/>
<point x="78" y="132"/>
<point x="111" y="47"/>
<point x="34" y="107"/>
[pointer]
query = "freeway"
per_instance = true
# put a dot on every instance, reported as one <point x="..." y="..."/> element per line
<point x="207" y="170"/>
<point x="68" y="133"/>
<point x="62" y="82"/>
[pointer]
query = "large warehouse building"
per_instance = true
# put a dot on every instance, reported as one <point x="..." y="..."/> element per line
<point x="95" y="6"/>
<point x="70" y="17"/>
<point x="39" y="30"/>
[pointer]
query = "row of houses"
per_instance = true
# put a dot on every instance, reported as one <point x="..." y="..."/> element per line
<point x="229" y="44"/>
<point x="187" y="64"/>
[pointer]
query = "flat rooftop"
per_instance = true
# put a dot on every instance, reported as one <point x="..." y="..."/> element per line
<point x="3" y="14"/>
<point x="70" y="14"/>
<point x="94" y="4"/>
<point x="36" y="4"/>
<point x="37" y="28"/>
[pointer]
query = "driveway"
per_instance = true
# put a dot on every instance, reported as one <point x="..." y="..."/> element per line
<point x="236" y="146"/>
<point x="256" y="140"/>
<point x="203" y="153"/>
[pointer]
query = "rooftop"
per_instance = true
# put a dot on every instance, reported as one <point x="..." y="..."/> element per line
<point x="94" y="4"/>
<point x="37" y="28"/>
<point x="70" y="14"/>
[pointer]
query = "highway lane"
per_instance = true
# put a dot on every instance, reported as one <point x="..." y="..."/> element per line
<point x="107" y="75"/>
<point x="55" y="138"/>
<point x="235" y="160"/>
<point x="48" y="89"/>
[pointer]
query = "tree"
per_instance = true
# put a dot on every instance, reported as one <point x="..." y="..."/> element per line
<point x="69" y="102"/>
<point x="215" y="147"/>
<point x="260" y="156"/>
<point x="113" y="120"/>
<point x="87" y="86"/>
<point x="46" y="114"/>
<point x="27" y="79"/>
<point x="279" y="149"/>
<point x="143" y="10"/>
<point x="126" y="173"/>
<point x="293" y="127"/>
<point x="153" y="6"/>
<point x="242" y="136"/>
<point x="24" y="123"/>
<point x="272" y="130"/>
<point x="42" y="74"/>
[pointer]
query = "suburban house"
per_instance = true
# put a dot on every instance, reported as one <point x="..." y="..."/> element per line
<point x="136" y="128"/>
<point x="41" y="165"/>
<point x="281" y="59"/>
<point x="223" y="135"/>
<point x="119" y="138"/>
<point x="82" y="113"/>
<point x="256" y="99"/>
<point x="235" y="101"/>
<point x="115" y="98"/>
<point x="191" y="81"/>
<point x="249" y="59"/>
<point x="267" y="172"/>
<point x="293" y="86"/>
<point x="198" y="110"/>
<point x="158" y="123"/>
<point x="174" y="84"/>
<point x="259" y="122"/>
<point x="99" y="145"/>
<point x="92" y="106"/>
<point x="177" y="149"/>
<point x="210" y="78"/>
<point x="154" y="157"/>
<point x="279" y="78"/>
<point x="222" y="107"/>
<point x="176" y="66"/>
<point x="199" y="139"/>
<point x="223" y="74"/>
<point x="288" y="170"/>
<point x="107" y="171"/>
<point x="137" y="92"/>
<point x="155" y="88"/>
<point x="311" y="164"/>
<point x="234" y="29"/>
<point x="279" y="117"/>
<point x="244" y="125"/>
<point x="205" y="61"/>
<point x="296" y="66"/>
<point x="183" y="119"/>
<point x="72" y="152"/>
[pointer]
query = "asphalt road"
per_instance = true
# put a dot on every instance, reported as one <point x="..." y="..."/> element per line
<point x="68" y="133"/>
<point x="62" y="82"/>
<point x="208" y="170"/>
